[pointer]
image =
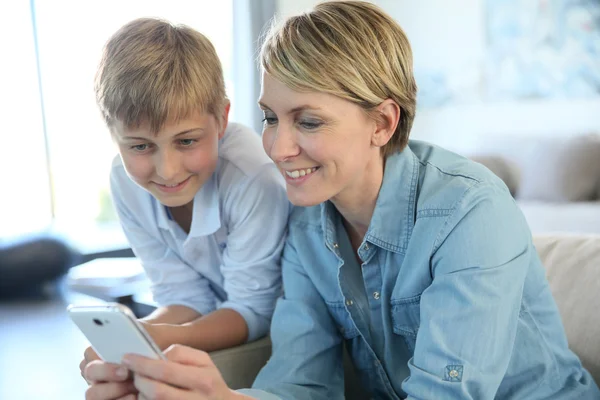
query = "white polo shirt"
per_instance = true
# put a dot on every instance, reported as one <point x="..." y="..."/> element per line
<point x="231" y="256"/>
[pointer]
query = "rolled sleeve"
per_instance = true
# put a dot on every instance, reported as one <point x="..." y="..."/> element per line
<point x="258" y="394"/>
<point x="469" y="313"/>
<point x="257" y="223"/>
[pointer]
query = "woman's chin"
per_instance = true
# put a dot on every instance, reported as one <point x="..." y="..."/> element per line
<point x="305" y="199"/>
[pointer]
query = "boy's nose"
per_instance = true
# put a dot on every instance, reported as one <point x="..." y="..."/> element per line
<point x="166" y="167"/>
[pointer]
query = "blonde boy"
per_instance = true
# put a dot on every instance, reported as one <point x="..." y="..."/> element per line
<point x="201" y="204"/>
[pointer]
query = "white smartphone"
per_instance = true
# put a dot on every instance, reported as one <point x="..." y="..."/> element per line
<point x="113" y="331"/>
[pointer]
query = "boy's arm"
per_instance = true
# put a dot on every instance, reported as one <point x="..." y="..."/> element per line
<point x="182" y="294"/>
<point x="256" y="214"/>
<point x="174" y="314"/>
<point x="257" y="224"/>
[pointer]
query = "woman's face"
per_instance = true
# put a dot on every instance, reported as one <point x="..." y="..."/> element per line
<point x="322" y="144"/>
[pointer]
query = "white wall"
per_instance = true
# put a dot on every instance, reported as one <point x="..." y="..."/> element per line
<point x="449" y="36"/>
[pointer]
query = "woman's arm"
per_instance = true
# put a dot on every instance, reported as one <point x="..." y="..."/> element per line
<point x="306" y="362"/>
<point x="469" y="314"/>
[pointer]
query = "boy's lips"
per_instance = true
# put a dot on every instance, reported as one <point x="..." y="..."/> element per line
<point x="172" y="188"/>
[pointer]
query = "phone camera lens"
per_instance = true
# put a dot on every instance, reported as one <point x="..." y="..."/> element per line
<point x="98" y="322"/>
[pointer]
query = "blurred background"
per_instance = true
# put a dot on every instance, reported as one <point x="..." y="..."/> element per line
<point x="513" y="84"/>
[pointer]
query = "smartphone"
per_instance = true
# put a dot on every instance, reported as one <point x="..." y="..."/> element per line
<point x="113" y="331"/>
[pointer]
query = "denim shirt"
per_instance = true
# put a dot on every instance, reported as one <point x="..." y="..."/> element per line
<point x="450" y="300"/>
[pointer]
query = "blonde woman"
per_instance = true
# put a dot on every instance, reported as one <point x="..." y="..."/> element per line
<point x="414" y="258"/>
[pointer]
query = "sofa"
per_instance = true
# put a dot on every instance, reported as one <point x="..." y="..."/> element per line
<point x="555" y="180"/>
<point x="573" y="270"/>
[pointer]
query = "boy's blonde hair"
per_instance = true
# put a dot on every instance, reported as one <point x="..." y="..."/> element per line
<point x="352" y="50"/>
<point x="153" y="71"/>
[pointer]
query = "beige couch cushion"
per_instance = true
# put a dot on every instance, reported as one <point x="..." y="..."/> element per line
<point x="561" y="170"/>
<point x="573" y="270"/>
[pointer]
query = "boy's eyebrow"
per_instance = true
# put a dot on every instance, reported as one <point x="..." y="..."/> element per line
<point x="179" y="134"/>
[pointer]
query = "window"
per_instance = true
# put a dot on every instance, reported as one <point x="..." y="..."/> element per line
<point x="24" y="197"/>
<point x="70" y="36"/>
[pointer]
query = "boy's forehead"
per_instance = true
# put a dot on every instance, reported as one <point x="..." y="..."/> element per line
<point x="172" y="126"/>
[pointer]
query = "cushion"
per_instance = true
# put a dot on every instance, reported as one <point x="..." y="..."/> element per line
<point x="573" y="269"/>
<point x="561" y="170"/>
<point x="502" y="168"/>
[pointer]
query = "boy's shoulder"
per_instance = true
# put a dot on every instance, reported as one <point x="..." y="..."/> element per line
<point x="241" y="148"/>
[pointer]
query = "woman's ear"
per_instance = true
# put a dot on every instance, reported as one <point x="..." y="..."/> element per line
<point x="387" y="118"/>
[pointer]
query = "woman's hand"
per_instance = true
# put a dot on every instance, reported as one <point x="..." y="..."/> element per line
<point x="108" y="382"/>
<point x="89" y="355"/>
<point x="187" y="374"/>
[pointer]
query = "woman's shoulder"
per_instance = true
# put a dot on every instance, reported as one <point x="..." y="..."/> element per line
<point x="447" y="178"/>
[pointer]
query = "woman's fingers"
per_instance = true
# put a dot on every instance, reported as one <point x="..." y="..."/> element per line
<point x="82" y="366"/>
<point x="171" y="373"/>
<point x="188" y="356"/>
<point x="100" y="371"/>
<point x="151" y="389"/>
<point x="90" y="355"/>
<point x="131" y="397"/>
<point x="111" y="391"/>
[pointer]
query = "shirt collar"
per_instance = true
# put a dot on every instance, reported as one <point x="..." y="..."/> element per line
<point x="206" y="217"/>
<point x="394" y="215"/>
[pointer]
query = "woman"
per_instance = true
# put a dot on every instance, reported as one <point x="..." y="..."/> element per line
<point x="416" y="258"/>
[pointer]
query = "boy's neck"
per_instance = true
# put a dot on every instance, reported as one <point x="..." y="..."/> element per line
<point x="183" y="216"/>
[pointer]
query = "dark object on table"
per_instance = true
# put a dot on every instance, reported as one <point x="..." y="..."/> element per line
<point x="27" y="264"/>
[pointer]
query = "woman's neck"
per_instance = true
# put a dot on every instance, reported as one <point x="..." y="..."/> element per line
<point x="356" y="204"/>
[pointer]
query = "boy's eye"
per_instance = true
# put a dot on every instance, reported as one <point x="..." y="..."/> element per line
<point x="186" y="142"/>
<point x="140" y="147"/>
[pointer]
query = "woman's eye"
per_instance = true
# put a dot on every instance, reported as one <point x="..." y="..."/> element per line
<point x="310" y="125"/>
<point x="186" y="142"/>
<point x="269" y="120"/>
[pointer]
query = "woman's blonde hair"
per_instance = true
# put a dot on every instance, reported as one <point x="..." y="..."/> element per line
<point x="352" y="50"/>
<point x="153" y="71"/>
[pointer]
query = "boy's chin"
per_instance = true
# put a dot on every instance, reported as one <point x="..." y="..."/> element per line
<point x="173" y="200"/>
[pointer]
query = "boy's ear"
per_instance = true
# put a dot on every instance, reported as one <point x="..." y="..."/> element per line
<point x="224" y="119"/>
<point x="388" y="116"/>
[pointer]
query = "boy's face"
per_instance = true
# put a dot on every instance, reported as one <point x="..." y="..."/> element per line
<point x="174" y="164"/>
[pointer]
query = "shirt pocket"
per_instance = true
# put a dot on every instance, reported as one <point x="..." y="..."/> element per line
<point x="406" y="318"/>
<point x="343" y="320"/>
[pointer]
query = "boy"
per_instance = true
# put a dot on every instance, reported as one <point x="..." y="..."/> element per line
<point x="201" y="204"/>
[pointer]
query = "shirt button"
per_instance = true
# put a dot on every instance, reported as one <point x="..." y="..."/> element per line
<point x="349" y="302"/>
<point x="376" y="295"/>
<point x="366" y="246"/>
<point x="335" y="246"/>
<point x="453" y="373"/>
